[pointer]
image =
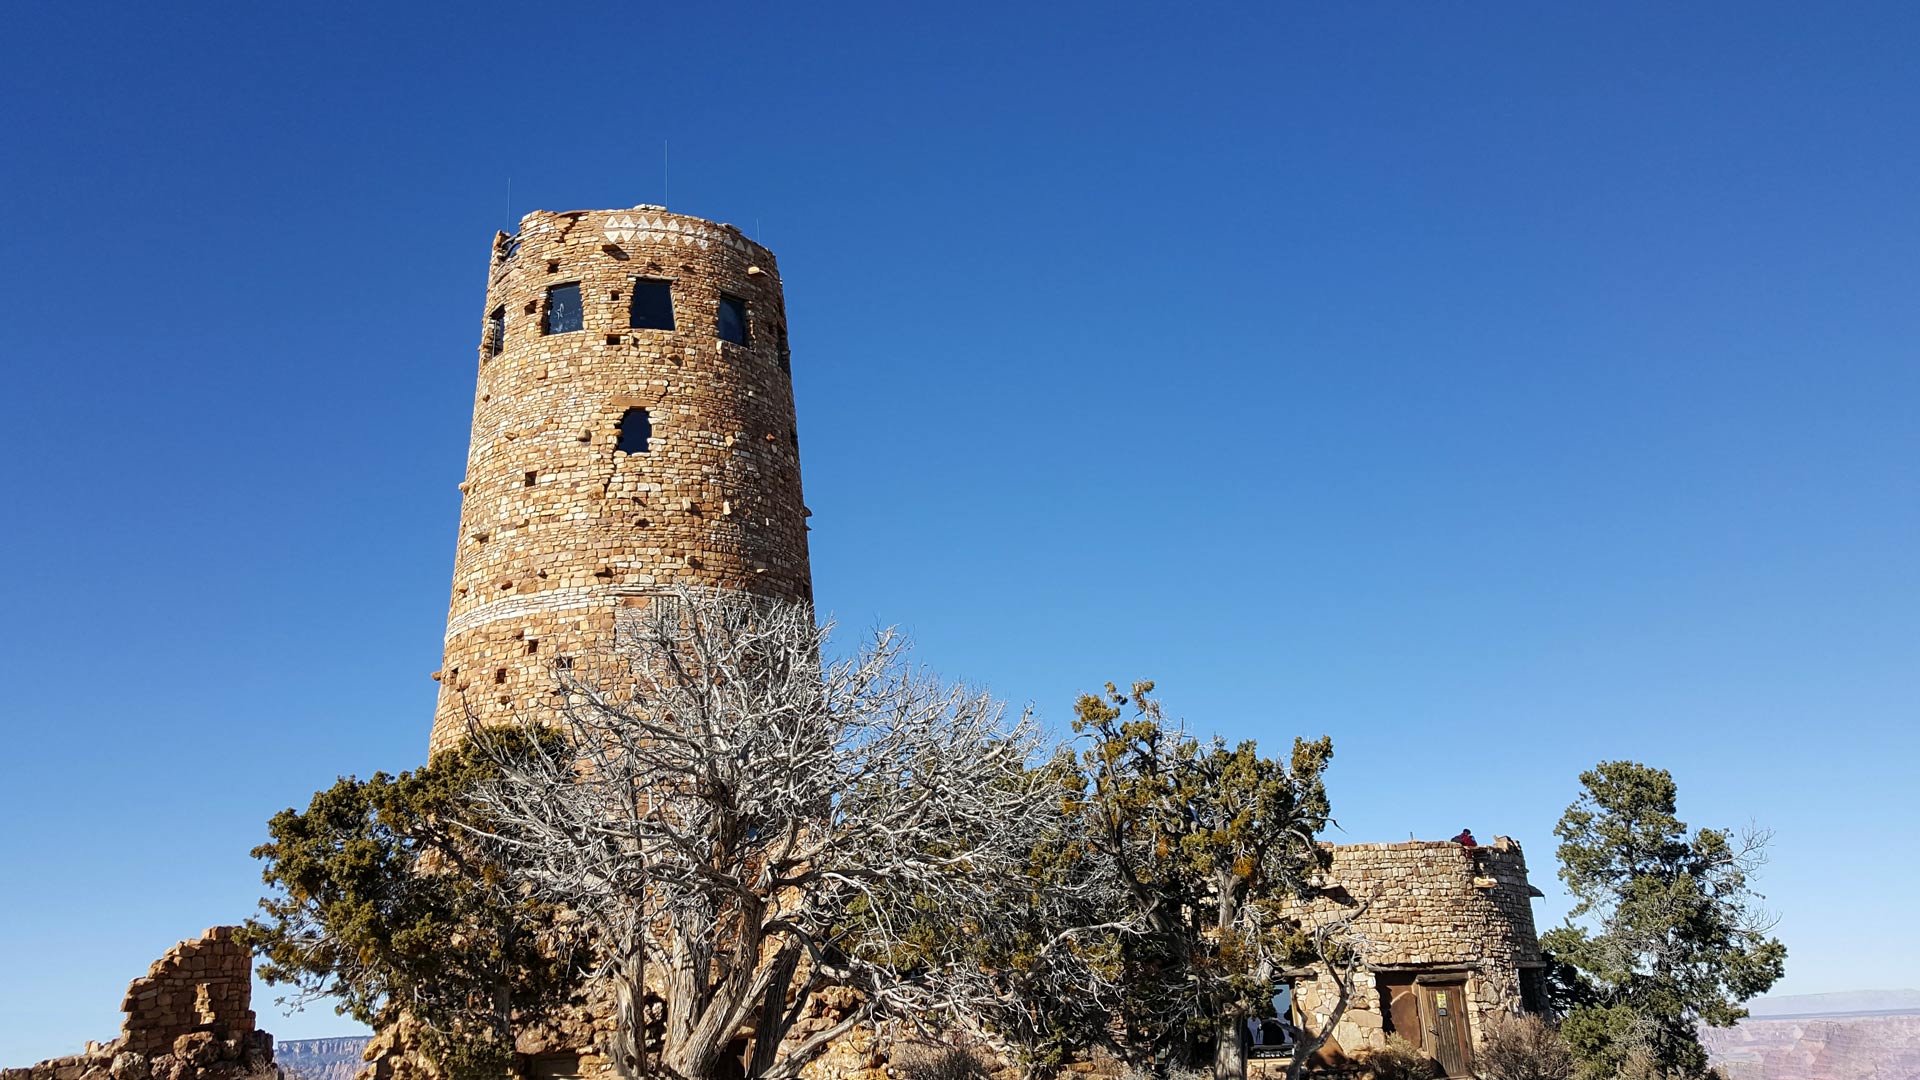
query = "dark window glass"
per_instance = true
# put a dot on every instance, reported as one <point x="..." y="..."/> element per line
<point x="652" y="305"/>
<point x="780" y="341"/>
<point x="636" y="431"/>
<point x="496" y="331"/>
<point x="733" y="319"/>
<point x="563" y="309"/>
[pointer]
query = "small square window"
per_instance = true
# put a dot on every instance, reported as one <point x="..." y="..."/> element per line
<point x="563" y="309"/>
<point x="636" y="432"/>
<point x="652" y="305"/>
<point x="733" y="319"/>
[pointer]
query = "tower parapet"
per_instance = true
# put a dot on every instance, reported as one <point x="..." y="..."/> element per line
<point x="633" y="430"/>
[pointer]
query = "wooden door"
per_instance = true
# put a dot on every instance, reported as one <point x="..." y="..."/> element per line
<point x="1443" y="1015"/>
<point x="1401" y="1006"/>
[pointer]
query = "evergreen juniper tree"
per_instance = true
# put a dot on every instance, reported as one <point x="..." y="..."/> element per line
<point x="1666" y="934"/>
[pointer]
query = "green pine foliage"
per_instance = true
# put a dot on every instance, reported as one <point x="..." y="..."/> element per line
<point x="1155" y="909"/>
<point x="1666" y="935"/>
<point x="1208" y="842"/>
<point x="389" y="897"/>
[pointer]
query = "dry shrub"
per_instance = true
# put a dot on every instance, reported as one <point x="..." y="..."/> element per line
<point x="924" y="1061"/>
<point x="1135" y="1070"/>
<point x="1525" y="1048"/>
<point x="1398" y="1060"/>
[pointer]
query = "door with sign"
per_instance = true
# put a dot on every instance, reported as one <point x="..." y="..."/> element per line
<point x="1443" y="1016"/>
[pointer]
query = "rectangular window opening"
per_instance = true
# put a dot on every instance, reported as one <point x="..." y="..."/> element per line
<point x="497" y="331"/>
<point x="652" y="307"/>
<point x="500" y="675"/>
<point x="564" y="315"/>
<point x="636" y="432"/>
<point x="1533" y="990"/>
<point x="531" y="478"/>
<point x="732" y="323"/>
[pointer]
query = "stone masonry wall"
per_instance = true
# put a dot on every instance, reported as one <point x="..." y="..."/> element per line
<point x="188" y="1018"/>
<point x="559" y="528"/>
<point x="200" y="985"/>
<point x="1435" y="908"/>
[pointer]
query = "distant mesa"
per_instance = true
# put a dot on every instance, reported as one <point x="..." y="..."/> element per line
<point x="1858" y="1033"/>
<point x="1844" y="1003"/>
<point x="322" y="1059"/>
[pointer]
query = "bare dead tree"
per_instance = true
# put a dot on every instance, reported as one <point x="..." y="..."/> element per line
<point x="739" y="823"/>
<point x="1339" y="951"/>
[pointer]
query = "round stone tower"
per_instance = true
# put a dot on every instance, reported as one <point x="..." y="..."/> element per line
<point x="633" y="429"/>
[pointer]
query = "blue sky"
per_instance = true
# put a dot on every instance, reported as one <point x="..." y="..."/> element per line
<point x="1497" y="389"/>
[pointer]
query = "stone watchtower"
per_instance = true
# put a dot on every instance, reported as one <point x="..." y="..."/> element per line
<point x="633" y="429"/>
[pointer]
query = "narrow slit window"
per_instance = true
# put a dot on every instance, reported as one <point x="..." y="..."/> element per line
<point x="652" y="305"/>
<point x="733" y="319"/>
<point x="636" y="432"/>
<point x="497" y="331"/>
<point x="563" y="309"/>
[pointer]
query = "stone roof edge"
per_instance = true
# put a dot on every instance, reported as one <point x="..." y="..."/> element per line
<point x="1499" y="843"/>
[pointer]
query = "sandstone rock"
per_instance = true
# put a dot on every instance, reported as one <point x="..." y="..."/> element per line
<point x="198" y="1047"/>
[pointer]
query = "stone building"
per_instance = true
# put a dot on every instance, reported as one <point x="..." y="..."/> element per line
<point x="633" y="429"/>
<point x="1448" y="942"/>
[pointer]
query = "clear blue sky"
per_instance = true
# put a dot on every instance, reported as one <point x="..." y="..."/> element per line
<point x="1495" y="388"/>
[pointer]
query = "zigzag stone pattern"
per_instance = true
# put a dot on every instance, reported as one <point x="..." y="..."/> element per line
<point x="562" y="524"/>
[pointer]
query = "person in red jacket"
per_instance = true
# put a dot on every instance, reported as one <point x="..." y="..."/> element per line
<point x="1465" y="839"/>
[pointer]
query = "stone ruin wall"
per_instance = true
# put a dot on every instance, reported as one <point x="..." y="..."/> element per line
<point x="558" y="527"/>
<point x="201" y="985"/>
<point x="190" y="1017"/>
<point x="1436" y="907"/>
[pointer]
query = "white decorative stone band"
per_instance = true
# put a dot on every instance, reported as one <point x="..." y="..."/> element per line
<point x="550" y="600"/>
<point x="619" y="228"/>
